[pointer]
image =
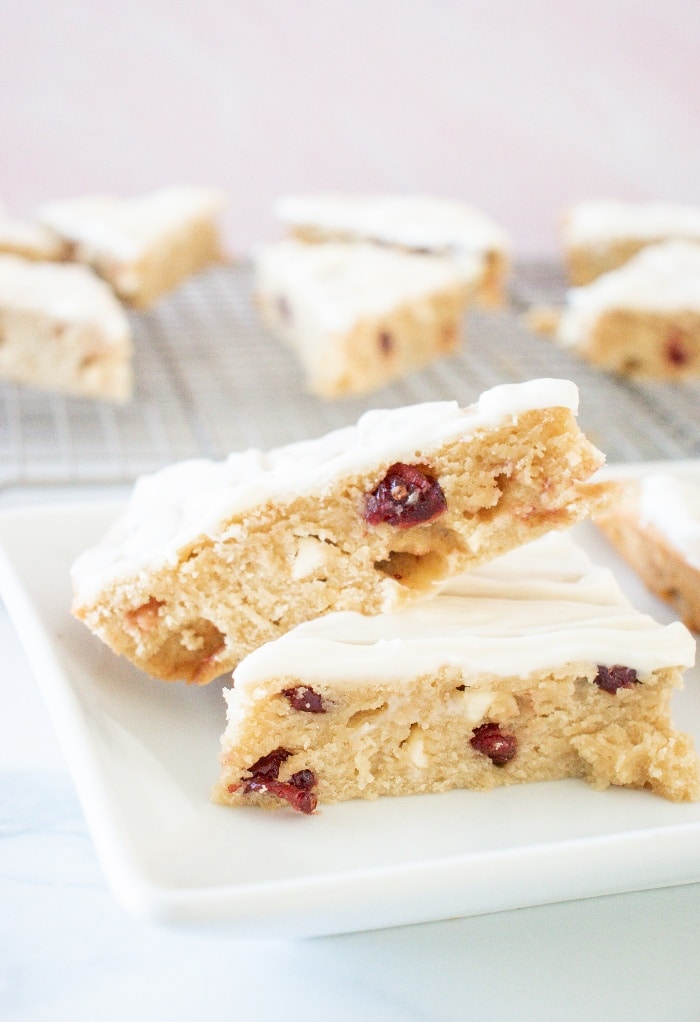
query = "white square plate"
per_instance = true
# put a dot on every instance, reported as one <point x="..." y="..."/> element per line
<point x="144" y="756"/>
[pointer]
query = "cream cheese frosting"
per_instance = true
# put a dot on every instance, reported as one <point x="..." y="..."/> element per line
<point x="603" y="221"/>
<point x="63" y="292"/>
<point x="660" y="278"/>
<point x="124" y="228"/>
<point x="671" y="505"/>
<point x="412" y="221"/>
<point x="333" y="286"/>
<point x="538" y="608"/>
<point x="173" y="507"/>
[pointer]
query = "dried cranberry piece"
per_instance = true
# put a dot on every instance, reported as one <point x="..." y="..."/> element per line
<point x="386" y="342"/>
<point x="269" y="765"/>
<point x="612" y="678"/>
<point x="301" y="799"/>
<point x="305" y="779"/>
<point x="406" y="496"/>
<point x="265" y="777"/>
<point x="676" y="349"/>
<point x="498" y="745"/>
<point x="304" y="698"/>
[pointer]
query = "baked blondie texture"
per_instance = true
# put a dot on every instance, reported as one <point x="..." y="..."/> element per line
<point x="642" y="320"/>
<point x="532" y="668"/>
<point x="211" y="559"/>
<point x="656" y="528"/>
<point x="416" y="223"/>
<point x="358" y="316"/>
<point x="62" y="329"/>
<point x="145" y="246"/>
<point x="29" y="240"/>
<point x="602" y="235"/>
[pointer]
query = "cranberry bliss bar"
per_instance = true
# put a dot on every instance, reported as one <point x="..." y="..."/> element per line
<point x="29" y="240"/>
<point x="414" y="223"/>
<point x="656" y="528"/>
<point x="358" y="316"/>
<point x="642" y="320"/>
<point x="534" y="667"/>
<point x="143" y="246"/>
<point x="603" y="234"/>
<point x="211" y="559"/>
<point x="61" y="328"/>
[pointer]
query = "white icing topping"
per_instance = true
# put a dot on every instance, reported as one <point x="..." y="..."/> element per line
<point x="660" y="278"/>
<point x="412" y="221"/>
<point x="330" y="287"/>
<point x="565" y="572"/>
<point x="486" y="623"/>
<point x="123" y="229"/>
<point x="671" y="505"/>
<point x="600" y="222"/>
<point x="184" y="501"/>
<point x="63" y="292"/>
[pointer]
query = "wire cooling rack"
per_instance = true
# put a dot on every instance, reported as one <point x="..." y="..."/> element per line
<point x="210" y="379"/>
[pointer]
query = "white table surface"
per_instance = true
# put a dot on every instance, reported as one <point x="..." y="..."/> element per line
<point x="68" y="951"/>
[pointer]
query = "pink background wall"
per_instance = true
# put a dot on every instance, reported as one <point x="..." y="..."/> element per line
<point x="518" y="107"/>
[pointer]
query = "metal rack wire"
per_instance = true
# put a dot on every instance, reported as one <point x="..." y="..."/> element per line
<point x="210" y="380"/>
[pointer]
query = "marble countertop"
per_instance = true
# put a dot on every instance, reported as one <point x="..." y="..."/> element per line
<point x="70" y="952"/>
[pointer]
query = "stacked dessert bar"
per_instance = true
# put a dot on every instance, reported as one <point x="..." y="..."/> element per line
<point x="395" y="609"/>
